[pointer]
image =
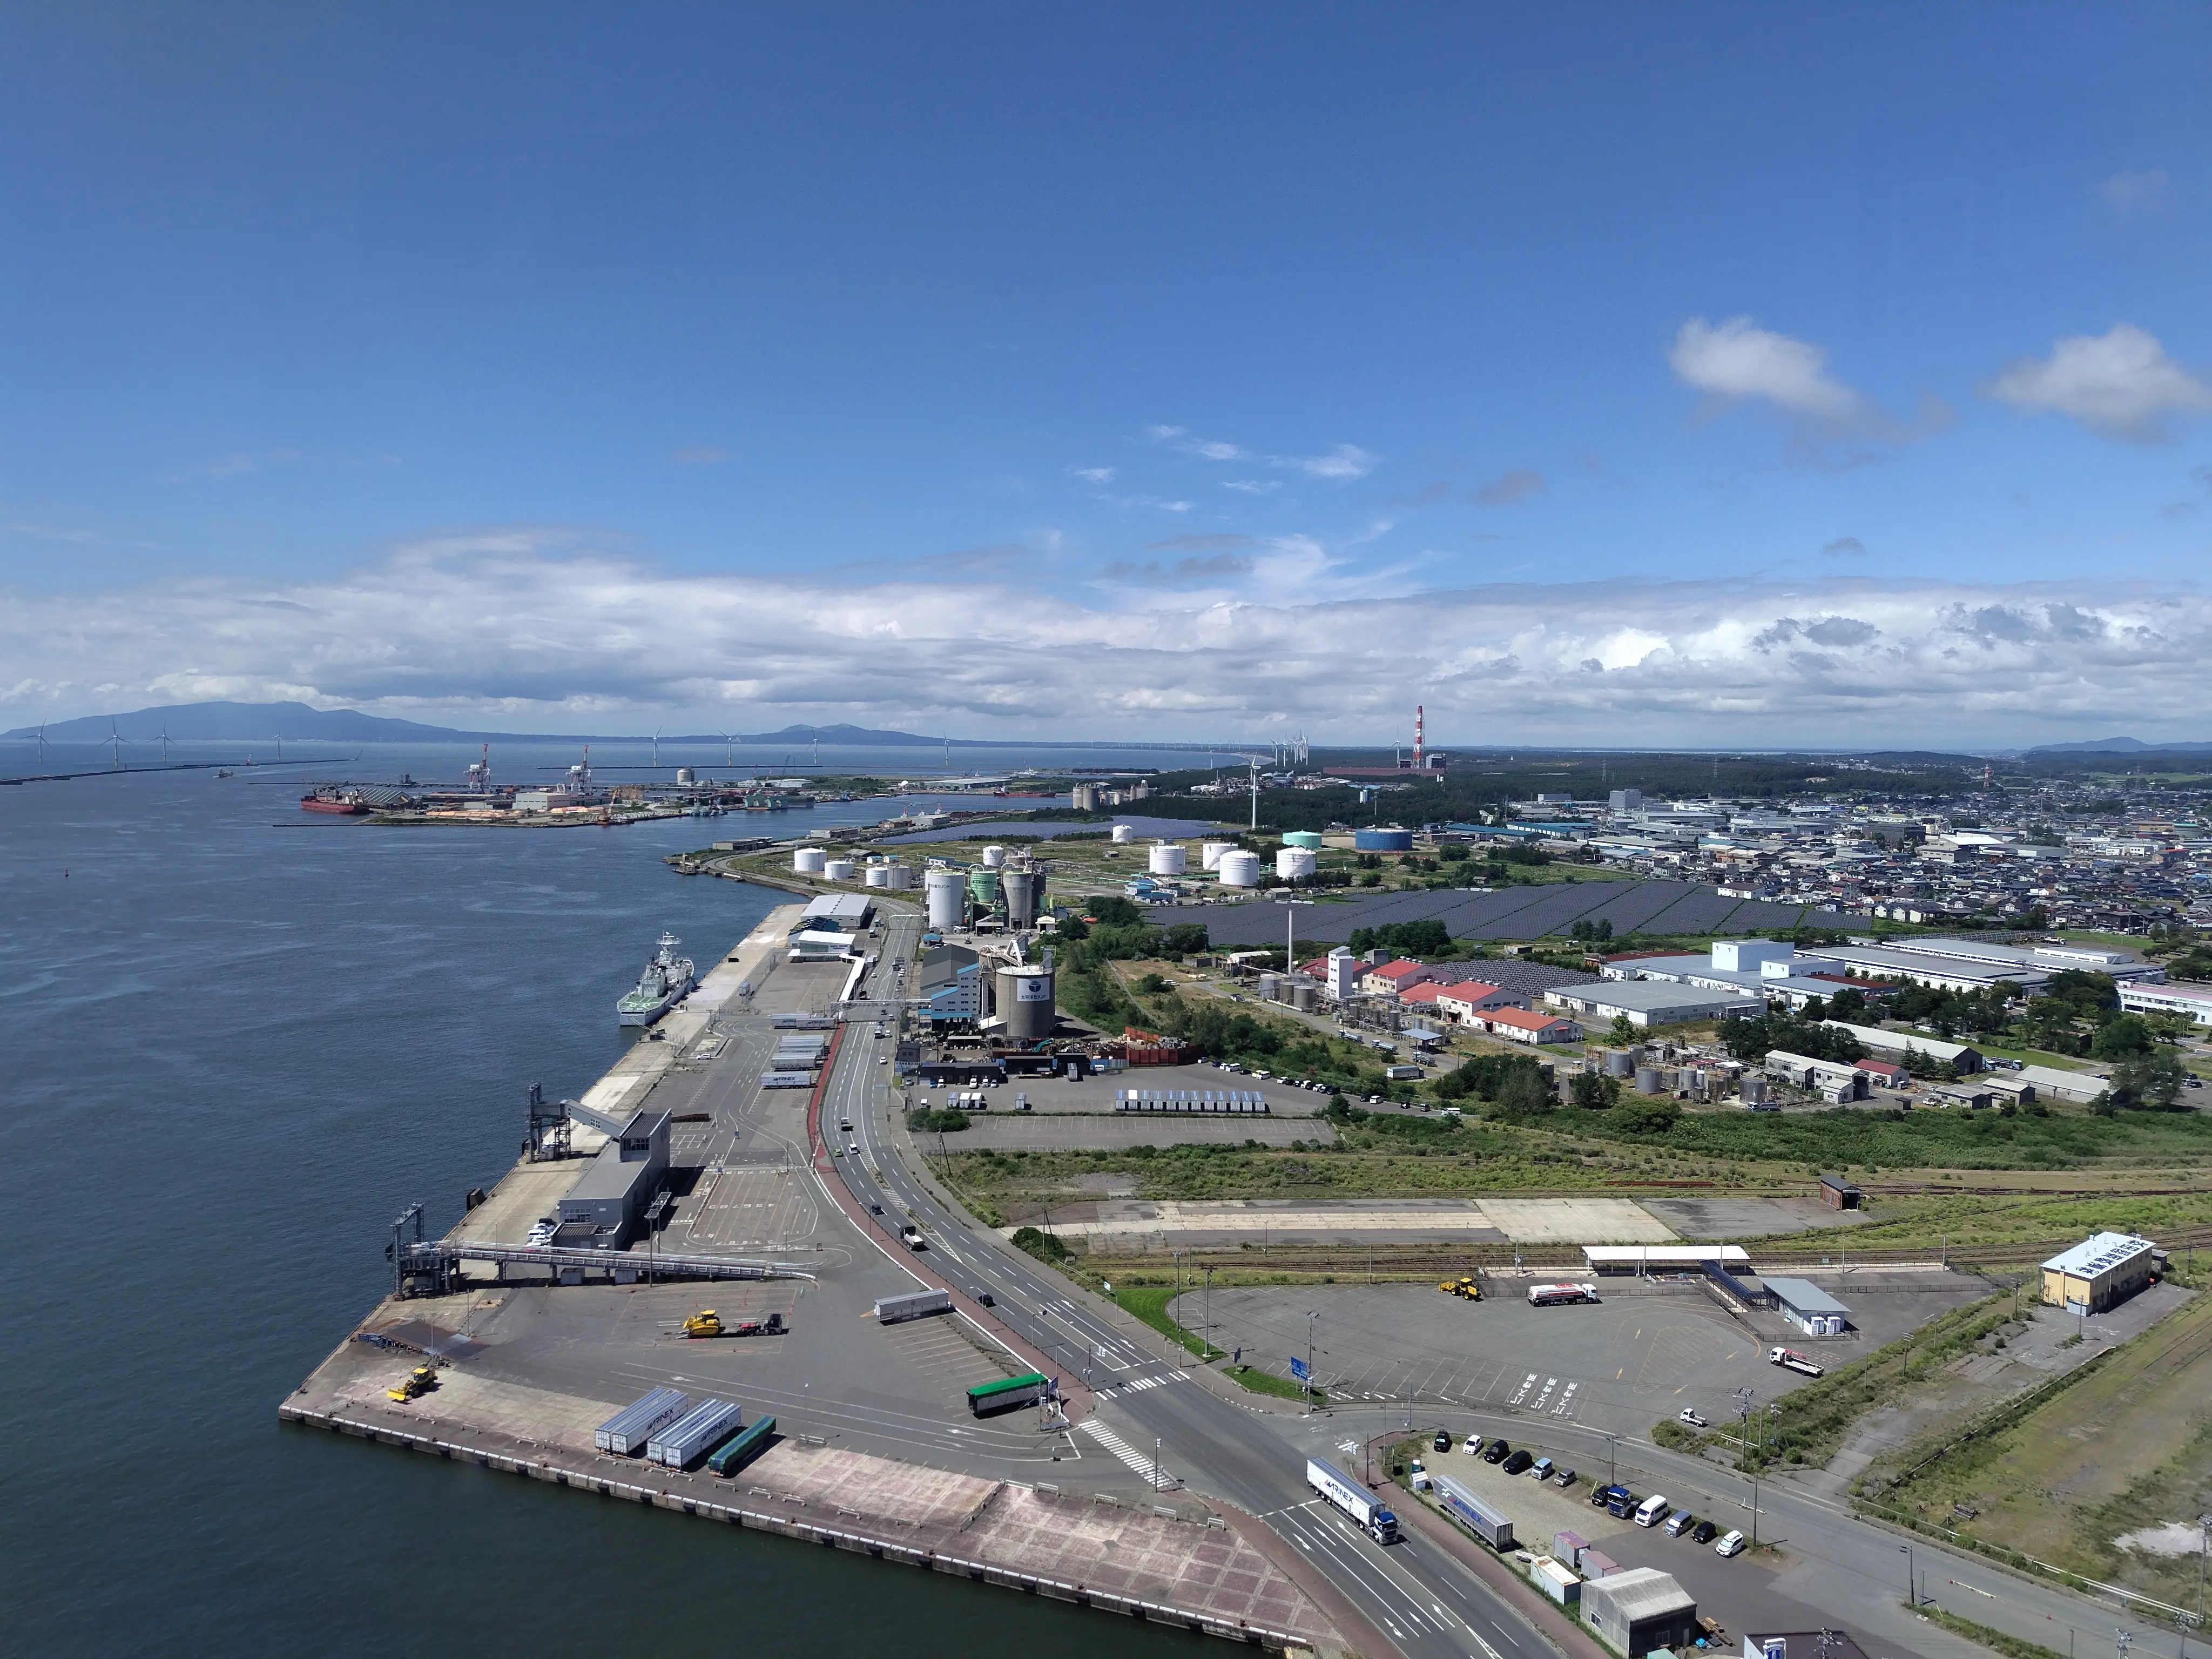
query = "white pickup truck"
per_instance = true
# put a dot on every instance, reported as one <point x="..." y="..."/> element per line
<point x="1791" y="1360"/>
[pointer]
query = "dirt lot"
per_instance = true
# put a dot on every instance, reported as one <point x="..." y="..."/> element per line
<point x="2108" y="1477"/>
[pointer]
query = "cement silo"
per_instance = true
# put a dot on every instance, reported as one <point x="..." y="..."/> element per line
<point x="1124" y="834"/>
<point x="995" y="857"/>
<point x="1166" y="860"/>
<point x="1293" y="862"/>
<point x="1025" y="891"/>
<point x="1209" y="855"/>
<point x="983" y="889"/>
<point x="838" y="870"/>
<point x="1023" y="991"/>
<point x="947" y="893"/>
<point x="1239" y="869"/>
<point x="809" y="860"/>
<point x="1309" y="839"/>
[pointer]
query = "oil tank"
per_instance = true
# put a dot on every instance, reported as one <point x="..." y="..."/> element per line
<point x="1124" y="834"/>
<point x="685" y="775"/>
<point x="809" y="860"/>
<point x="1619" y="1062"/>
<point x="1305" y="998"/>
<point x="1166" y="860"/>
<point x="995" y="857"/>
<point x="1647" y="1080"/>
<point x="1271" y="987"/>
<point x="947" y="899"/>
<point x="1240" y="869"/>
<point x="1391" y="839"/>
<point x="1755" y="1089"/>
<point x="1024" y="999"/>
<point x="1024" y="892"/>
<point x="1309" y="839"/>
<point x="839" y="869"/>
<point x="983" y="888"/>
<point x="1293" y="862"/>
<point x="898" y="877"/>
<point x="1209" y="855"/>
<point x="879" y="875"/>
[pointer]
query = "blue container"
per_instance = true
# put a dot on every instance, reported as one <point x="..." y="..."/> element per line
<point x="1382" y="840"/>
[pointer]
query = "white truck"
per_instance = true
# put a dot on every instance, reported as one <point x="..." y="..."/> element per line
<point x="1552" y="1295"/>
<point x="1354" y="1499"/>
<point x="1792" y="1360"/>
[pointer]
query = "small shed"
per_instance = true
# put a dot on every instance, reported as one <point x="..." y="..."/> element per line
<point x="1809" y="1307"/>
<point x="1838" y="1193"/>
<point x="1636" y="1611"/>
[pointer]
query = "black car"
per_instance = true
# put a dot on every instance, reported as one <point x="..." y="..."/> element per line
<point x="876" y="1208"/>
<point x="1442" y="1441"/>
<point x="1517" y="1463"/>
<point x="1702" y="1532"/>
<point x="1496" y="1452"/>
<point x="984" y="1299"/>
<point x="1598" y="1498"/>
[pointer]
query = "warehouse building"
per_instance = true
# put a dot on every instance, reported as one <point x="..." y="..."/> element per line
<point x="836" y="913"/>
<point x="1957" y="1056"/>
<point x="613" y="1193"/>
<point x="1640" y="1610"/>
<point x="1834" y="1080"/>
<point x="2101" y="1270"/>
<point x="1808" y="1307"/>
<point x="2192" y="1001"/>
<point x="1652" y="1002"/>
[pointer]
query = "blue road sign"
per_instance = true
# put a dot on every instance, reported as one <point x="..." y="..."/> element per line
<point x="1299" y="1370"/>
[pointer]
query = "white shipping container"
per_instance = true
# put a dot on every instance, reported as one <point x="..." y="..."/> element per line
<point x="915" y="1304"/>
<point x="695" y="1434"/>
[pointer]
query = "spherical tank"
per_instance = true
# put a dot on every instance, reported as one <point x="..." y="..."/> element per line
<point x="1309" y="839"/>
<point x="1025" y="995"/>
<point x="995" y="857"/>
<point x="1166" y="860"/>
<point x="1024" y="888"/>
<point x="1239" y="869"/>
<point x="685" y="775"/>
<point x="1293" y="862"/>
<point x="1124" y="834"/>
<point x="947" y="899"/>
<point x="838" y="869"/>
<point x="1209" y="855"/>
<point x="809" y="860"/>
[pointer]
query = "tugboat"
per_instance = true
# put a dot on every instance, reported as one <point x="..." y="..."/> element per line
<point x="663" y="984"/>
<point x="346" y="803"/>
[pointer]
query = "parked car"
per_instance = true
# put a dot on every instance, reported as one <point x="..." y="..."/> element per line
<point x="1680" y="1523"/>
<point x="1517" y="1464"/>
<point x="1495" y="1452"/>
<point x="1563" y="1476"/>
<point x="1471" y="1445"/>
<point x="1702" y="1532"/>
<point x="1730" y="1544"/>
<point x="1442" y="1441"/>
<point x="1541" y="1470"/>
<point x="1691" y="1415"/>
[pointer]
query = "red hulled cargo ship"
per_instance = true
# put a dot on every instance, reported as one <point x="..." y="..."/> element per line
<point x="340" y="802"/>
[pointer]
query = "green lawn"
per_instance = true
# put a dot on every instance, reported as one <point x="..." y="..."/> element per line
<point x="1150" y="1303"/>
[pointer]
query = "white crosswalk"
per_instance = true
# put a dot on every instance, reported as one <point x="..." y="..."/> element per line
<point x="1128" y="1454"/>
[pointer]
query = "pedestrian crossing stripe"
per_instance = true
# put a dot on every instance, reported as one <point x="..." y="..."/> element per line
<point x="1129" y="1454"/>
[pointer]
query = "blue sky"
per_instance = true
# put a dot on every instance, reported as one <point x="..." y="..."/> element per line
<point x="1687" y="375"/>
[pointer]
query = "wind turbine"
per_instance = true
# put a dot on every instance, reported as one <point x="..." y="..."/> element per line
<point x="165" y="743"/>
<point x="42" y="742"/>
<point x="729" y="751"/>
<point x="115" y="737"/>
<point x="656" y="748"/>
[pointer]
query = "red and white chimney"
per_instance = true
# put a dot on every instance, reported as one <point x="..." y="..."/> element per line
<point x="1420" y="754"/>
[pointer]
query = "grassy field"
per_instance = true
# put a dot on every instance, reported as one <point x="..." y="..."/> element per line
<point x="2127" y="1448"/>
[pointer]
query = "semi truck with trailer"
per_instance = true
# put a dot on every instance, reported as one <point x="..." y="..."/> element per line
<point x="1343" y="1492"/>
<point x="1552" y="1295"/>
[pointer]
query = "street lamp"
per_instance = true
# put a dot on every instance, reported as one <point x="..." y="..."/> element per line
<point x="1912" y="1596"/>
<point x="1209" y="1312"/>
<point x="1310" y="1318"/>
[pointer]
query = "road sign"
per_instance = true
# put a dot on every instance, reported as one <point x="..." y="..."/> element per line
<point x="1298" y="1370"/>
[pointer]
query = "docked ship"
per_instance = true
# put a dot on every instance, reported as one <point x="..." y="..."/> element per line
<point x="659" y="987"/>
<point x="345" y="803"/>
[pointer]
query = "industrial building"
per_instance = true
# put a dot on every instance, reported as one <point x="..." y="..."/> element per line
<point x="614" y="1192"/>
<point x="1835" y="1081"/>
<point x="836" y="913"/>
<point x="2192" y="1002"/>
<point x="1756" y="967"/>
<point x="1808" y="1307"/>
<point x="951" y="986"/>
<point x="1959" y="1056"/>
<point x="1640" y="1610"/>
<point x="1652" y="1002"/>
<point x="2101" y="1270"/>
<point x="2049" y="1083"/>
<point x="1524" y="1025"/>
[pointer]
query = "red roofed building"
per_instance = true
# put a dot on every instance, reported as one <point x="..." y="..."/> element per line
<point x="1425" y="995"/>
<point x="1520" y="1025"/>
<point x="1392" y="978"/>
<point x="1470" y="998"/>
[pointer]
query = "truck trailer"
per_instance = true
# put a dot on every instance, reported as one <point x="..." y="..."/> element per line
<point x="695" y="1434"/>
<point x="1465" y="1506"/>
<point x="914" y="1305"/>
<point x="1355" y="1500"/>
<point x="625" y="1433"/>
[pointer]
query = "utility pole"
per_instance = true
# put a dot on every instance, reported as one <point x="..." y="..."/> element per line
<point x="1209" y="1317"/>
<point x="1310" y="1318"/>
<point x="1912" y="1596"/>
<point x="2204" y="1531"/>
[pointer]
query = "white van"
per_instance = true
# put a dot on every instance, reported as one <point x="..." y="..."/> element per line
<point x="1652" y="1511"/>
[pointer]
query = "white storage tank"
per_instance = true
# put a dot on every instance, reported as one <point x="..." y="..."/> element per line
<point x="1239" y="869"/>
<point x="839" y="869"/>
<point x="879" y="875"/>
<point x="898" y="877"/>
<point x="994" y="857"/>
<point x="1024" y="999"/>
<point x="947" y="897"/>
<point x="1167" y="859"/>
<point x="1124" y="834"/>
<point x="1209" y="855"/>
<point x="809" y="860"/>
<point x="1293" y="862"/>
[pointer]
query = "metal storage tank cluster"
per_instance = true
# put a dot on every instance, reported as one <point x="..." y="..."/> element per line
<point x="946" y="896"/>
<point x="1391" y="840"/>
<point x="1240" y="869"/>
<point x="1211" y="855"/>
<point x="809" y="860"/>
<point x="1166" y="860"/>
<point x="1293" y="862"/>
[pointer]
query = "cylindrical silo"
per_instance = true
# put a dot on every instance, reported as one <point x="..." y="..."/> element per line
<point x="1209" y="855"/>
<point x="898" y="877"/>
<point x="1166" y="860"/>
<point x="1240" y="869"/>
<point x="1124" y="834"/>
<point x="1647" y="1080"/>
<point x="1619" y="1062"/>
<point x="809" y="860"/>
<point x="1305" y="998"/>
<point x="1025" y="995"/>
<point x="838" y="869"/>
<point x="1755" y="1089"/>
<point x="983" y="888"/>
<point x="685" y="775"/>
<point x="1271" y="986"/>
<point x="994" y="857"/>
<point x="1293" y="862"/>
<point x="879" y="875"/>
<point x="947" y="899"/>
<point x="1023" y="888"/>
<point x="1309" y="839"/>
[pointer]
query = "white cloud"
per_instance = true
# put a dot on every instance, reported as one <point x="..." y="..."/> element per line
<point x="1736" y="360"/>
<point x="2130" y="194"/>
<point x="1097" y="475"/>
<point x="1340" y="464"/>
<point x="1252" y="486"/>
<point x="523" y="629"/>
<point x="2120" y="383"/>
<point x="1345" y="462"/>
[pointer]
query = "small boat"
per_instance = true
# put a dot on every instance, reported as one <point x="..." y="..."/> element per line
<point x="663" y="983"/>
<point x="224" y="772"/>
<point x="343" y="803"/>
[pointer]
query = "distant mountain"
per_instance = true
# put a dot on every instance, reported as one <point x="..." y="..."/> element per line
<point x="2121" y="746"/>
<point x="256" y="722"/>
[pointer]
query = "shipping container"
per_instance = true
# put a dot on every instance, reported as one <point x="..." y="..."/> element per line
<point x="1010" y="1393"/>
<point x="1485" y="1520"/>
<point x="695" y="1434"/>
<point x="915" y="1304"/>
<point x="735" y="1454"/>
<point x="626" y="1432"/>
